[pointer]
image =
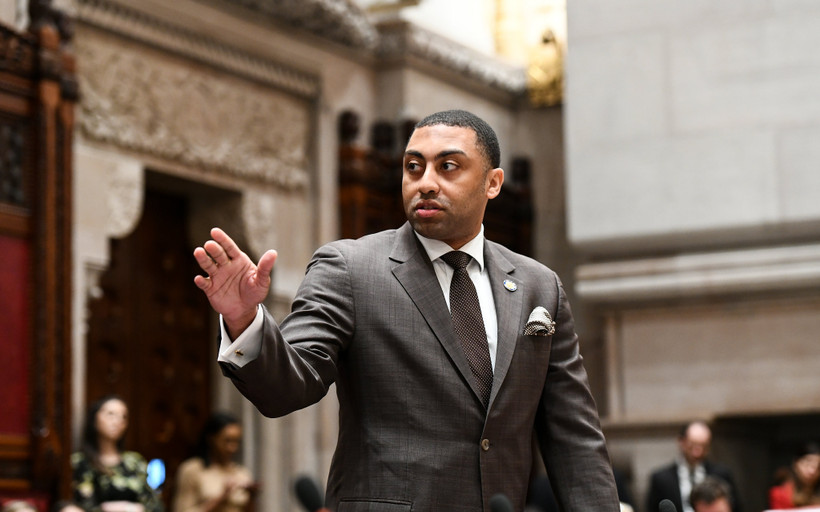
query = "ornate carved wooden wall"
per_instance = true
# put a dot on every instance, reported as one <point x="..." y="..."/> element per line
<point x="37" y="96"/>
<point x="370" y="187"/>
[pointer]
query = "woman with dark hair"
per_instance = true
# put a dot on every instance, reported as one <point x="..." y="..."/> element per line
<point x="212" y="481"/>
<point x="105" y="477"/>
<point x="802" y="486"/>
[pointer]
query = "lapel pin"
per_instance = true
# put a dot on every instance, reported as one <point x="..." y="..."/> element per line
<point x="510" y="285"/>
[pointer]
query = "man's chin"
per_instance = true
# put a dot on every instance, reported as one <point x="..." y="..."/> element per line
<point x="426" y="229"/>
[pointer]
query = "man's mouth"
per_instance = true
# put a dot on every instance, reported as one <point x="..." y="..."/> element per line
<point x="427" y="209"/>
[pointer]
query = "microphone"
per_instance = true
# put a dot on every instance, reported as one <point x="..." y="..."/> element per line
<point x="309" y="495"/>
<point x="500" y="503"/>
<point x="666" y="506"/>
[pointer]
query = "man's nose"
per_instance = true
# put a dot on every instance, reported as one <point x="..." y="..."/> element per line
<point x="428" y="183"/>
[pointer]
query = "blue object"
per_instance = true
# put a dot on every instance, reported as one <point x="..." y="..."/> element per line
<point x="156" y="473"/>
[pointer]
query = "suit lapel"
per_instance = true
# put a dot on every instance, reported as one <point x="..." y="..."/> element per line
<point x="508" y="306"/>
<point x="415" y="273"/>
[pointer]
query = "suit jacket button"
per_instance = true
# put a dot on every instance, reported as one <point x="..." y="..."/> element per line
<point x="485" y="444"/>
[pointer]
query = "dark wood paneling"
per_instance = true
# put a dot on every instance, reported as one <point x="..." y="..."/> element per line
<point x="36" y="123"/>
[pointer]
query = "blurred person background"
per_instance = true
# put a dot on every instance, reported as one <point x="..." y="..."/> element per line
<point x="800" y="485"/>
<point x="106" y="477"/>
<point x="211" y="480"/>
<point x="676" y="481"/>
<point x="712" y="494"/>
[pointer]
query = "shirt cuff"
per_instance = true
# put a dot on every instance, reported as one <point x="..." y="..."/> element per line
<point x="246" y="347"/>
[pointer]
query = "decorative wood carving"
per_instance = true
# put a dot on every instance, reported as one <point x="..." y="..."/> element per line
<point x="36" y="124"/>
<point x="369" y="182"/>
<point x="17" y="52"/>
<point x="12" y="189"/>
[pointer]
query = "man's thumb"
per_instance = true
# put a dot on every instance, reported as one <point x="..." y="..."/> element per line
<point x="265" y="266"/>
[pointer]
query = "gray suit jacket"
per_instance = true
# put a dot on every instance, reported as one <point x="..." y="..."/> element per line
<point x="413" y="435"/>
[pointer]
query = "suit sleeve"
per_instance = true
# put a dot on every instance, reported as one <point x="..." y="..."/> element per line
<point x="567" y="425"/>
<point x="298" y="360"/>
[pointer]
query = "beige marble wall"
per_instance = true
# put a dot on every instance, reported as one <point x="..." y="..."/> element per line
<point x="690" y="197"/>
<point x="736" y="358"/>
<point x="690" y="119"/>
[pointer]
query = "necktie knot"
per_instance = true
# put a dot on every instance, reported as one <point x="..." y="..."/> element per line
<point x="457" y="259"/>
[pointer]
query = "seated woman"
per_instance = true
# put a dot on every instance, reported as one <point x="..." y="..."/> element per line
<point x="105" y="477"/>
<point x="211" y="481"/>
<point x="802" y="487"/>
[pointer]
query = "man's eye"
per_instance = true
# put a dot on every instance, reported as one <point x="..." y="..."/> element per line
<point x="448" y="166"/>
<point x="412" y="166"/>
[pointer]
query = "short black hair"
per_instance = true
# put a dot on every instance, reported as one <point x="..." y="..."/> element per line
<point x="485" y="136"/>
<point x="710" y="490"/>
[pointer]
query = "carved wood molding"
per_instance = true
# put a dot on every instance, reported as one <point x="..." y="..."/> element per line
<point x="17" y="52"/>
<point x="177" y="110"/>
<point x="15" y="451"/>
<point x="12" y="184"/>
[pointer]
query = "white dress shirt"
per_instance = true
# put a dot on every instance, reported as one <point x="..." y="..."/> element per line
<point x="479" y="275"/>
<point x="685" y="478"/>
<point x="247" y="345"/>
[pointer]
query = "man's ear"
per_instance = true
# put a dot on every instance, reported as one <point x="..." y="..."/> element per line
<point x="495" y="178"/>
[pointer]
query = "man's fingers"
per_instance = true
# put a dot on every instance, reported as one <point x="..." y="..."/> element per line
<point x="203" y="283"/>
<point x="228" y="245"/>
<point x="204" y="260"/>
<point x="216" y="252"/>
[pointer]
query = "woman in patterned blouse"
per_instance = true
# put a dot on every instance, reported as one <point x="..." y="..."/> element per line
<point x="107" y="478"/>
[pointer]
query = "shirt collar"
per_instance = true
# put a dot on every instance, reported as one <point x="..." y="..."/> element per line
<point x="685" y="465"/>
<point x="436" y="248"/>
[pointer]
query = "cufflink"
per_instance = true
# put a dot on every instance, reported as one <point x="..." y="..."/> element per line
<point x="239" y="353"/>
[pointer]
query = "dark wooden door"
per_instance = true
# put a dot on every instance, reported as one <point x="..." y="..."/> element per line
<point x="150" y="338"/>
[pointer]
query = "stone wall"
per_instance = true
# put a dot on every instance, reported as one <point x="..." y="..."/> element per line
<point x="691" y="177"/>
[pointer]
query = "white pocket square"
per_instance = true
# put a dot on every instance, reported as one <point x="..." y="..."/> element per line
<point x="540" y="323"/>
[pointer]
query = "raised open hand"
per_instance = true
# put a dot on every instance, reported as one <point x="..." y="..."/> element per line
<point x="234" y="286"/>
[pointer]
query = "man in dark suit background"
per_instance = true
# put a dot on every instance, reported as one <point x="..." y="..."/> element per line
<point x="423" y="425"/>
<point x="676" y="480"/>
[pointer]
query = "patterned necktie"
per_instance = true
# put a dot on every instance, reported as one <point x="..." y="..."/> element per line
<point x="468" y="322"/>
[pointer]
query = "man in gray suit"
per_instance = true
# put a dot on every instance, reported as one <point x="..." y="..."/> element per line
<point x="423" y="426"/>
